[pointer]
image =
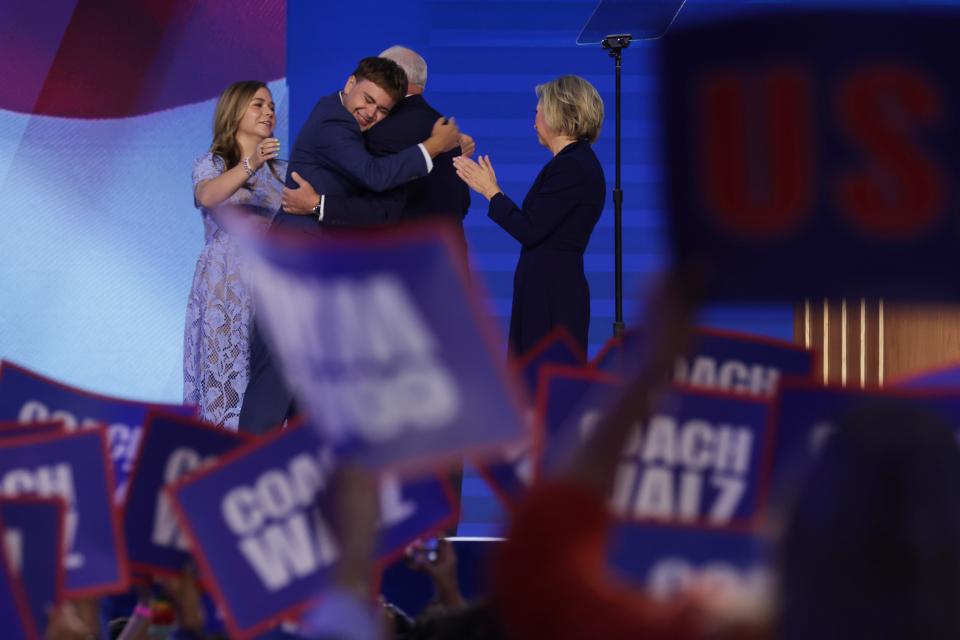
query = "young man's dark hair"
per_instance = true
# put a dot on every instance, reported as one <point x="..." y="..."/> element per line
<point x="384" y="73"/>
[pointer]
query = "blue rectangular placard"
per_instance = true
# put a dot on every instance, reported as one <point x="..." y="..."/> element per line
<point x="805" y="414"/>
<point x="511" y="470"/>
<point x="17" y="429"/>
<point x="171" y="447"/>
<point x="33" y="530"/>
<point x="667" y="560"/>
<point x="265" y="546"/>
<point x="814" y="152"/>
<point x="26" y="396"/>
<point x="73" y="466"/>
<point x="512" y="475"/>
<point x="14" y="609"/>
<point x="387" y="345"/>
<point x="556" y="348"/>
<point x="697" y="458"/>
<point x="942" y="377"/>
<point x="723" y="360"/>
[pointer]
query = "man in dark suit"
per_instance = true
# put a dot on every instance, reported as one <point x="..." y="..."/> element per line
<point x="329" y="153"/>
<point x="441" y="194"/>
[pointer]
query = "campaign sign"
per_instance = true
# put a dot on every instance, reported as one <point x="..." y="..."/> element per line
<point x="510" y="472"/>
<point x="15" y="613"/>
<point x="945" y="377"/>
<point x="26" y="396"/>
<point x="262" y="541"/>
<point x="17" y="429"/>
<point x="594" y="390"/>
<point x="171" y="447"/>
<point x="814" y="153"/>
<point x="557" y="347"/>
<point x="805" y="414"/>
<point x="33" y="537"/>
<point x="667" y="560"/>
<point x="698" y="457"/>
<point x="724" y="360"/>
<point x="383" y="340"/>
<point x="74" y="467"/>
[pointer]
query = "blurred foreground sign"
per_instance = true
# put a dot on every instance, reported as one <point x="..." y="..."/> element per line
<point x="669" y="559"/>
<point x="28" y="397"/>
<point x="806" y="414"/>
<point x="171" y="448"/>
<point x="697" y="458"/>
<point x="74" y="467"/>
<point x="721" y="360"/>
<point x="385" y="346"/>
<point x="816" y="153"/>
<point x="33" y="534"/>
<point x="257" y="526"/>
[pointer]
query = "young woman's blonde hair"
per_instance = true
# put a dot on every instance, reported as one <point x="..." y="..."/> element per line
<point x="230" y="108"/>
<point x="571" y="106"/>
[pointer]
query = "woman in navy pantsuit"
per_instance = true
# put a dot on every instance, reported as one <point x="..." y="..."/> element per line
<point x="557" y="217"/>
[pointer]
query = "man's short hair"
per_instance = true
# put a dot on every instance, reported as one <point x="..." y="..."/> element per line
<point x="410" y="61"/>
<point x="384" y="73"/>
<point x="570" y="105"/>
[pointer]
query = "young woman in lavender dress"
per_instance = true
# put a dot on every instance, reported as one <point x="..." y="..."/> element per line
<point x="240" y="169"/>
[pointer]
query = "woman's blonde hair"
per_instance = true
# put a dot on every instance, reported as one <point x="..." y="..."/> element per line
<point x="230" y="108"/>
<point x="571" y="106"/>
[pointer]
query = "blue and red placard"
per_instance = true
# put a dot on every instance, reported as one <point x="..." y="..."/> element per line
<point x="73" y="466"/>
<point x="27" y="396"/>
<point x="387" y="345"/>
<point x="945" y="376"/>
<point x="262" y="542"/>
<point x="804" y="414"/>
<point x="697" y="458"/>
<point x="33" y="530"/>
<point x="814" y="153"/>
<point x="17" y="429"/>
<point x="509" y="472"/>
<point x="171" y="447"/>
<point x="669" y="559"/>
<point x="15" y="615"/>
<point x="724" y="360"/>
<point x="558" y="347"/>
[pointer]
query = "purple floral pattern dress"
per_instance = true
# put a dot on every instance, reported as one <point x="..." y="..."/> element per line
<point x="216" y="343"/>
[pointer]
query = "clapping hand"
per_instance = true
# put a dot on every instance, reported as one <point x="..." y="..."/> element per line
<point x="479" y="175"/>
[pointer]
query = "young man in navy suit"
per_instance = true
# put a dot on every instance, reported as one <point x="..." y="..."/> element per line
<point x="441" y="194"/>
<point x="329" y="153"/>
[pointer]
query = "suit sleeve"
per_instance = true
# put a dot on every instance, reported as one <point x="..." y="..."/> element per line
<point x="408" y="125"/>
<point x="342" y="149"/>
<point x="556" y="198"/>
<point x="364" y="210"/>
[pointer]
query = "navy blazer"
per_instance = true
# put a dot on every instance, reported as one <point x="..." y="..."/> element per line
<point x="439" y="194"/>
<point x="554" y="227"/>
<point x="329" y="153"/>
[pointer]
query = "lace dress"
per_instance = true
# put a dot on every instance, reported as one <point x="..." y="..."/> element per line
<point x="216" y="343"/>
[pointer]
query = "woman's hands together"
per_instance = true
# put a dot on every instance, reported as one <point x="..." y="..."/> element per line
<point x="479" y="175"/>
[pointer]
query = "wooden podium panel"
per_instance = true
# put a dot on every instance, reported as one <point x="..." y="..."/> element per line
<point x="869" y="342"/>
